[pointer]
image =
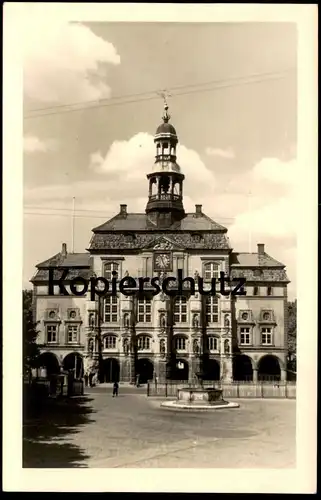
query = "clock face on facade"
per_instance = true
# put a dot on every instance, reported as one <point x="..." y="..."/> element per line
<point x="162" y="261"/>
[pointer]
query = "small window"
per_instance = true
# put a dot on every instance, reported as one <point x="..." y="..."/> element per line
<point x="211" y="310"/>
<point x="111" y="309"/>
<point x="266" y="316"/>
<point x="211" y="270"/>
<point x="212" y="343"/>
<point x="72" y="334"/>
<point x="144" y="311"/>
<point x="72" y="314"/>
<point x="256" y="290"/>
<point x="269" y="290"/>
<point x="143" y="343"/>
<point x="180" y="310"/>
<point x="245" y="336"/>
<point x="110" y="342"/>
<point x="51" y="334"/>
<point x="52" y="314"/>
<point x="266" y="336"/>
<point x="180" y="343"/>
<point x="109" y="268"/>
<point x="245" y="316"/>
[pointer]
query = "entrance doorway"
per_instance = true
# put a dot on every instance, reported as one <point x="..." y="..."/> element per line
<point x="73" y="361"/>
<point x="242" y="368"/>
<point x="182" y="369"/>
<point x="269" y="368"/>
<point x="145" y="370"/>
<point x="110" y="371"/>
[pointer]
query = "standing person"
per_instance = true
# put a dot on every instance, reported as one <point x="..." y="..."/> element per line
<point x="115" y="389"/>
<point x="137" y="380"/>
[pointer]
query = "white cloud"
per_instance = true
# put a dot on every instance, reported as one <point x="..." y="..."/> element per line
<point x="221" y="153"/>
<point x="32" y="144"/>
<point x="65" y="62"/>
<point x="134" y="158"/>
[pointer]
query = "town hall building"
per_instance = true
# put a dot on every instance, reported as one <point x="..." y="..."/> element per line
<point x="182" y="336"/>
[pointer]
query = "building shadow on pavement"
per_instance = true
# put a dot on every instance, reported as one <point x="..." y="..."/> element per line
<point x="46" y="429"/>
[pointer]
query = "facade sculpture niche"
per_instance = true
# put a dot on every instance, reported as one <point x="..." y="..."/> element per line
<point x="91" y="346"/>
<point x="196" y="347"/>
<point x="126" y="321"/>
<point x="226" y="346"/>
<point x="162" y="321"/>
<point x="226" y="320"/>
<point x="195" y="321"/>
<point x="92" y="320"/>
<point x="162" y="347"/>
<point x="126" y="347"/>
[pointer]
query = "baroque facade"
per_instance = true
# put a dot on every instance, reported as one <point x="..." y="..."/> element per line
<point x="180" y="337"/>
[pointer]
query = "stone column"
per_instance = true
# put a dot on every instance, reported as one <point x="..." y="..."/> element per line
<point x="255" y="375"/>
<point x="283" y="375"/>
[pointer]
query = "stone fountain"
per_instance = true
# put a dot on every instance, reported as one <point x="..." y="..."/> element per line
<point x="199" y="398"/>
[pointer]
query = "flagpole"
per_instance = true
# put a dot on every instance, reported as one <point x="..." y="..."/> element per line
<point x="250" y="221"/>
<point x="73" y="226"/>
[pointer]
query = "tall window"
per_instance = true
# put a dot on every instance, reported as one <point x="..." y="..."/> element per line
<point x="245" y="336"/>
<point x="256" y="290"/>
<point x="269" y="290"/>
<point x="51" y="334"/>
<point x="144" y="310"/>
<point x="266" y="336"/>
<point x="109" y="268"/>
<point x="110" y="342"/>
<point x="111" y="309"/>
<point x="180" y="343"/>
<point x="72" y="334"/>
<point x="180" y="310"/>
<point x="212" y="343"/>
<point x="211" y="310"/>
<point x="211" y="270"/>
<point x="143" y="343"/>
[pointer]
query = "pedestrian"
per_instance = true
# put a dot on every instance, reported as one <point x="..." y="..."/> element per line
<point x="137" y="380"/>
<point x="115" y="389"/>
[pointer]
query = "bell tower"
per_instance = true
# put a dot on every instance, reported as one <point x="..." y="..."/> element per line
<point x="165" y="199"/>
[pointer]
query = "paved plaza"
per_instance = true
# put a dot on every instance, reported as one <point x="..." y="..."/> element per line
<point x="132" y="431"/>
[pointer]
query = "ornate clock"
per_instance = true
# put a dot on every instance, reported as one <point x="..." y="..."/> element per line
<point x="162" y="261"/>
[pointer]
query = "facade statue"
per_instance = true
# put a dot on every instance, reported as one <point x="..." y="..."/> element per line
<point x="196" y="347"/>
<point x="91" y="346"/>
<point x="226" y="346"/>
<point x="196" y="274"/>
<point x="126" y="347"/>
<point x="126" y="274"/>
<point x="163" y="321"/>
<point x="92" y="320"/>
<point x="162" y="347"/>
<point x="195" y="321"/>
<point x="126" y="320"/>
<point x="226" y="321"/>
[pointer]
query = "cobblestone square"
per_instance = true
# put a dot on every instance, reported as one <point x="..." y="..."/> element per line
<point x="132" y="431"/>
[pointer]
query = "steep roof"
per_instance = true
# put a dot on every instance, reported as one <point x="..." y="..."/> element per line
<point x="245" y="259"/>
<point x="78" y="263"/>
<point x="141" y="222"/>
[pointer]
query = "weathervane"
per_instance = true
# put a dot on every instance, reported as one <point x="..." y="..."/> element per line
<point x="165" y="94"/>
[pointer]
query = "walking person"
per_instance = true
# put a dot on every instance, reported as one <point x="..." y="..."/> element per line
<point x="115" y="389"/>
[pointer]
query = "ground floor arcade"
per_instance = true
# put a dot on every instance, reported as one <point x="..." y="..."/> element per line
<point x="266" y="367"/>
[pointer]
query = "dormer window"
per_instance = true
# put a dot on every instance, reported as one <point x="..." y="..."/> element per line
<point x="109" y="268"/>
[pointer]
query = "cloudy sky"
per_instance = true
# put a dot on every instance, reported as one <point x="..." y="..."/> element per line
<point x="233" y="105"/>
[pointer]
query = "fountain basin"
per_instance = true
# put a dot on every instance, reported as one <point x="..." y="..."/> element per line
<point x="200" y="399"/>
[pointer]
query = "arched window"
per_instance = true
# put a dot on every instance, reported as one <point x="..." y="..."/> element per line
<point x="212" y="343"/>
<point x="109" y="267"/>
<point x="211" y="309"/>
<point x="180" y="343"/>
<point x="144" y="310"/>
<point x="211" y="270"/>
<point x="180" y="310"/>
<point x="143" y="343"/>
<point x="110" y="342"/>
<point x="111" y="309"/>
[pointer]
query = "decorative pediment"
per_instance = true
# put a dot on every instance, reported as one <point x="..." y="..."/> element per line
<point x="163" y="243"/>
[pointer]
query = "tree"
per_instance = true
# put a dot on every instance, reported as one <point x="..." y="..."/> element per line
<point x="31" y="349"/>
<point x="292" y="331"/>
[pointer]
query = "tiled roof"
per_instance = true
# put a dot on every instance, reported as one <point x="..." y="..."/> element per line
<point x="267" y="274"/>
<point x="79" y="264"/>
<point x="254" y="260"/>
<point x="70" y="260"/>
<point x="141" y="222"/>
<point x="42" y="275"/>
<point x="114" y="241"/>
